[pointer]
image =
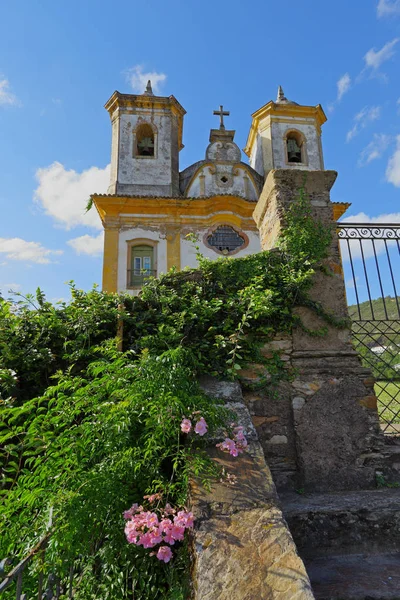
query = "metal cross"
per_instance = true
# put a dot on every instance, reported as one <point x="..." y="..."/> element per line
<point x="221" y="113"/>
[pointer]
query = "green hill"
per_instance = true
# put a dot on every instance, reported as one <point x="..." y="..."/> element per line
<point x="380" y="309"/>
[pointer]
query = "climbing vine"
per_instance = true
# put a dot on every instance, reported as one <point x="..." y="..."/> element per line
<point x="88" y="430"/>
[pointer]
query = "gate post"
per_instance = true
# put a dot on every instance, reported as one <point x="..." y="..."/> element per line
<point x="333" y="405"/>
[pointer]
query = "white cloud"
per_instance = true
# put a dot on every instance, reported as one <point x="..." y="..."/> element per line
<point x="137" y="79"/>
<point x="63" y="194"/>
<point x="19" y="249"/>
<point x="361" y="120"/>
<point x="377" y="146"/>
<point x="375" y="58"/>
<point x="88" y="244"/>
<point x="6" y="96"/>
<point x="386" y="8"/>
<point x="343" y="86"/>
<point x="393" y="167"/>
<point x="362" y="217"/>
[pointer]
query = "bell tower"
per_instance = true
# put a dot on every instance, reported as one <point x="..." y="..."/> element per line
<point x="146" y="140"/>
<point x="286" y="135"/>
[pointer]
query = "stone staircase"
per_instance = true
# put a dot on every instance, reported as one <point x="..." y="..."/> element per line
<point x="349" y="542"/>
<point x="254" y="543"/>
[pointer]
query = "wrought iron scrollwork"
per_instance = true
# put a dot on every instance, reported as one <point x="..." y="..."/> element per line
<point x="362" y="231"/>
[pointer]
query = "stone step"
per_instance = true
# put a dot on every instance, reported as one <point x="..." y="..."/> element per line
<point x="355" y="577"/>
<point x="344" y="522"/>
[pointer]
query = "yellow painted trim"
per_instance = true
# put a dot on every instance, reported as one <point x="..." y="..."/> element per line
<point x="339" y="208"/>
<point x="173" y="211"/>
<point x="173" y="238"/>
<point x="277" y="111"/>
<point x="110" y="260"/>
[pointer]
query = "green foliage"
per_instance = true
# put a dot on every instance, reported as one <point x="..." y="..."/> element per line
<point x="88" y="448"/>
<point x="88" y="430"/>
<point x="37" y="339"/>
<point x="386" y="337"/>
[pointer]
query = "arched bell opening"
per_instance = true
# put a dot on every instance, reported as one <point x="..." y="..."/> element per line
<point x="295" y="148"/>
<point x="145" y="140"/>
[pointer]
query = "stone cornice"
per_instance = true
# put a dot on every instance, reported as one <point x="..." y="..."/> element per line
<point x="123" y="102"/>
<point x="122" y="210"/>
<point x="278" y="111"/>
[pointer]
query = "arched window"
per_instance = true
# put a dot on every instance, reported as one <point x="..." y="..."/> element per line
<point x="142" y="265"/>
<point x="145" y="140"/>
<point x="295" y="147"/>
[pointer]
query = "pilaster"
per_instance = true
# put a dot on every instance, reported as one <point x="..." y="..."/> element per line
<point x="173" y="237"/>
<point x="333" y="407"/>
<point x="110" y="261"/>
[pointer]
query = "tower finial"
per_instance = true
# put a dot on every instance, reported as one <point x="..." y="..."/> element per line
<point x="148" y="91"/>
<point x="281" y="95"/>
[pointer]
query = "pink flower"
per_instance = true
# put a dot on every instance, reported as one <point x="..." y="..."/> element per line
<point x="184" y="519"/>
<point x="135" y="508"/>
<point x="177" y="533"/>
<point x="189" y="520"/>
<point x="153" y="497"/>
<point x="168" y="539"/>
<point x="132" y="534"/>
<point x="227" y="445"/>
<point x="155" y="537"/>
<point x="164" y="553"/>
<point x="151" y="520"/>
<point x="186" y="425"/>
<point x="165" y="526"/>
<point x="146" y="540"/>
<point x="168" y="510"/>
<point x="201" y="426"/>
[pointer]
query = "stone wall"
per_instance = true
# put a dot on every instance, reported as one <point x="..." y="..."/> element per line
<point x="320" y="431"/>
<point x="242" y="547"/>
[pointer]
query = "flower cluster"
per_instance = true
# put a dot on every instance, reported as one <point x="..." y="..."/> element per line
<point x="200" y="428"/>
<point x="148" y="529"/>
<point x="236" y="445"/>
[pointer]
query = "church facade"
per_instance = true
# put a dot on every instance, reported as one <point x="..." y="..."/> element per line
<point x="151" y="207"/>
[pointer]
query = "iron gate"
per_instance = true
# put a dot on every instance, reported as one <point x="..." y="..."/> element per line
<point x="371" y="263"/>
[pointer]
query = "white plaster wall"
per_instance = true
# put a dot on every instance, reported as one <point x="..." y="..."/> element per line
<point x="145" y="170"/>
<point x="188" y="252"/>
<point x="223" y="151"/>
<point x="315" y="162"/>
<point x="257" y="155"/>
<point x="127" y="235"/>
<point x="213" y="185"/>
<point x="114" y="152"/>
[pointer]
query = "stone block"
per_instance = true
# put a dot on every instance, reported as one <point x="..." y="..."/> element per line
<point x="224" y="390"/>
<point x="369" y="402"/>
<point x="253" y="373"/>
<point x="332" y="431"/>
<point x="278" y="439"/>
<point x="248" y="556"/>
<point x="241" y="546"/>
<point x="277" y="346"/>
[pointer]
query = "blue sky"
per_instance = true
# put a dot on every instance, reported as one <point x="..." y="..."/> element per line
<point x="60" y="62"/>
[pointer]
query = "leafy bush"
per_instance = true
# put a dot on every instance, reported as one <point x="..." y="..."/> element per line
<point x="88" y="430"/>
